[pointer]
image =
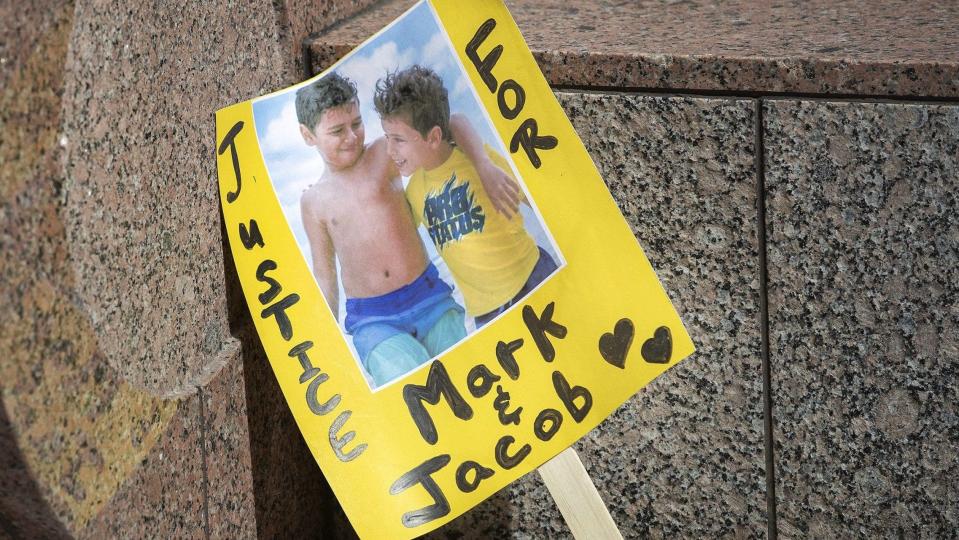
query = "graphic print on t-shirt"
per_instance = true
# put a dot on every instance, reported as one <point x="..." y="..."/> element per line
<point x="451" y="213"/>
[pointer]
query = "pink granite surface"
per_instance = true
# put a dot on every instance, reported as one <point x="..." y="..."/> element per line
<point x="884" y="48"/>
<point x="231" y="507"/>
<point x="141" y="195"/>
<point x="165" y="497"/>
<point x="116" y="292"/>
<point x="298" y="19"/>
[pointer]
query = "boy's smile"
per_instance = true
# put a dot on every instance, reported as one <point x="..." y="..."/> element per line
<point x="339" y="136"/>
<point x="410" y="150"/>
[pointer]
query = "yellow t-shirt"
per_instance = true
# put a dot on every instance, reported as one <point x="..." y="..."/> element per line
<point x="490" y="257"/>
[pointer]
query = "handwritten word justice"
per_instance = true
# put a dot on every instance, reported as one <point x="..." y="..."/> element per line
<point x="275" y="305"/>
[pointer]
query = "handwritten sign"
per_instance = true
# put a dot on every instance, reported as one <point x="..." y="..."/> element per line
<point x="579" y="322"/>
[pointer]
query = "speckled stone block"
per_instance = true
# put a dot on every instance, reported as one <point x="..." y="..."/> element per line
<point x="166" y="496"/>
<point x="107" y="200"/>
<point x="71" y="430"/>
<point x="141" y="195"/>
<point x="23" y="509"/>
<point x="863" y="235"/>
<point x="883" y="48"/>
<point x="684" y="457"/>
<point x="298" y="19"/>
<point x="142" y="207"/>
<point x="231" y="503"/>
<point x="292" y="498"/>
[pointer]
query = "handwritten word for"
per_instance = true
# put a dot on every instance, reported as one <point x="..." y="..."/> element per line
<point x="527" y="133"/>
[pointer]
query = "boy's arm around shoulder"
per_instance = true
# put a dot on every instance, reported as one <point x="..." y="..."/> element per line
<point x="380" y="162"/>
<point x="500" y="162"/>
<point x="500" y="186"/>
<point x="321" y="247"/>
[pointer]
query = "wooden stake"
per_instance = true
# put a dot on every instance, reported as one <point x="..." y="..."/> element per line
<point x="577" y="498"/>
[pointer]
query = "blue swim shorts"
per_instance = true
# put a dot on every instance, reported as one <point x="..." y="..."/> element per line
<point x="412" y="309"/>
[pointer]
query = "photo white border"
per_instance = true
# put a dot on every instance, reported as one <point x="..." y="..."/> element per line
<point x="560" y="263"/>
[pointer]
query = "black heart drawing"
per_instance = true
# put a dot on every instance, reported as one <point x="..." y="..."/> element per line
<point x="657" y="349"/>
<point x="614" y="346"/>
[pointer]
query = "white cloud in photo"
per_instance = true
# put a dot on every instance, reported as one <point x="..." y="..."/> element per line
<point x="282" y="134"/>
<point x="293" y="175"/>
<point x="437" y="53"/>
<point x="462" y="87"/>
<point x="365" y="69"/>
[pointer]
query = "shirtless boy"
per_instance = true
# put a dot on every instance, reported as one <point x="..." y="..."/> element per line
<point x="494" y="260"/>
<point x="398" y="310"/>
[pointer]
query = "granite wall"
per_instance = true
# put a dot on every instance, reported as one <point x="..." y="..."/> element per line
<point x="135" y="401"/>
<point x="862" y="251"/>
<point x="810" y="243"/>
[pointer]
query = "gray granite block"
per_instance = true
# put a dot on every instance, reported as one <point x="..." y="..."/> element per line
<point x="229" y="473"/>
<point x="298" y="19"/>
<point x="684" y="457"/>
<point x="863" y="253"/>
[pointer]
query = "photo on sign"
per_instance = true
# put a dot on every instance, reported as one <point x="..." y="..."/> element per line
<point x="403" y="200"/>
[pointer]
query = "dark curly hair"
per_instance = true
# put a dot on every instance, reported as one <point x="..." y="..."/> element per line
<point x="330" y="91"/>
<point x="417" y="94"/>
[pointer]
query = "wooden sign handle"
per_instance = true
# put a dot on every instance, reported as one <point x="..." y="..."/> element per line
<point x="577" y="498"/>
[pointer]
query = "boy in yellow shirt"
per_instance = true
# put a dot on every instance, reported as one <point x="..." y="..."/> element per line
<point x="493" y="259"/>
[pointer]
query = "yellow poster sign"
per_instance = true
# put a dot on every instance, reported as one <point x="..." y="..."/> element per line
<point x="444" y="287"/>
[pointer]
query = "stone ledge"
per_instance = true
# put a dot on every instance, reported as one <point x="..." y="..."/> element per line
<point x="897" y="49"/>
